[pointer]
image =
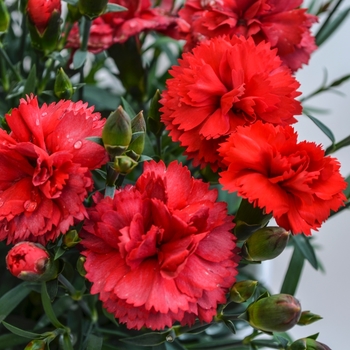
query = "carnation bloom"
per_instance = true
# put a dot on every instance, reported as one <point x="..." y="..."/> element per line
<point x="117" y="27"/>
<point x="40" y="12"/>
<point x="225" y="83"/>
<point x="45" y="163"/>
<point x="294" y="181"/>
<point x="160" y="251"/>
<point x="280" y="22"/>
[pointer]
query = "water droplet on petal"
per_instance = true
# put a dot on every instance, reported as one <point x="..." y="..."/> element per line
<point x="37" y="122"/>
<point x="78" y="144"/>
<point x="70" y="140"/>
<point x="30" y="206"/>
<point x="44" y="114"/>
<point x="169" y="338"/>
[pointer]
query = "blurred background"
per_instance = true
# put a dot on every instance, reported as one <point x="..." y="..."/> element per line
<point x="325" y="293"/>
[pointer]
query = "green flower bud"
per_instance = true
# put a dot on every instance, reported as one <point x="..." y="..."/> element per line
<point x="307" y="318"/>
<point x="71" y="239"/>
<point x="36" y="344"/>
<point x="265" y="244"/>
<point x="73" y="14"/>
<point x="308" y="344"/>
<point x="63" y="87"/>
<point x="124" y="164"/>
<point x="117" y="133"/>
<point x="4" y="17"/>
<point x="80" y="266"/>
<point x="137" y="144"/>
<point x="154" y="123"/>
<point x="92" y="8"/>
<point x="275" y="313"/>
<point x="242" y="291"/>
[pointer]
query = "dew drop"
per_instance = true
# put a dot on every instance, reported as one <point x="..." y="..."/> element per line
<point x="30" y="206"/>
<point x="44" y="114"/>
<point x="70" y="140"/>
<point x="78" y="145"/>
<point x="169" y="338"/>
<point x="37" y="122"/>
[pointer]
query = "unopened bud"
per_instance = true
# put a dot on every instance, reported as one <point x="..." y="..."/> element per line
<point x="71" y="239"/>
<point x="242" y="291"/>
<point x="92" y="8"/>
<point x="4" y="17"/>
<point x="124" y="164"/>
<point x="117" y="133"/>
<point x="31" y="262"/>
<point x="73" y="14"/>
<point x="275" y="313"/>
<point x="308" y="344"/>
<point x="154" y="123"/>
<point x="63" y="87"/>
<point x="265" y="244"/>
<point x="307" y="318"/>
<point x="36" y="344"/>
<point x="137" y="144"/>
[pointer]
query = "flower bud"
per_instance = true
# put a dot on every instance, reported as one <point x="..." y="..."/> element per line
<point x="4" y="17"/>
<point x="137" y="144"/>
<point x="71" y="239"/>
<point x="265" y="244"/>
<point x="124" y="164"/>
<point x="92" y="8"/>
<point x="73" y="14"/>
<point x="44" y="21"/>
<point x="308" y="344"/>
<point x="31" y="262"/>
<point x="36" y="344"/>
<point x="154" y="123"/>
<point x="63" y="88"/>
<point x="307" y="318"/>
<point x="275" y="313"/>
<point x="117" y="133"/>
<point x="242" y="291"/>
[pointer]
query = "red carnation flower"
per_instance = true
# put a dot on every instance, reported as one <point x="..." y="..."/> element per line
<point x="40" y="12"/>
<point x="161" y="251"/>
<point x="293" y="181"/>
<point x="44" y="167"/>
<point x="225" y="83"/>
<point x="280" y="22"/>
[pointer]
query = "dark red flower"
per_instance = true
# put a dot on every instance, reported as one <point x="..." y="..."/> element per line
<point x="294" y="181"/>
<point x="44" y="168"/>
<point x="40" y="12"/>
<point x="280" y="22"/>
<point x="27" y="257"/>
<point x="222" y="84"/>
<point x="160" y="251"/>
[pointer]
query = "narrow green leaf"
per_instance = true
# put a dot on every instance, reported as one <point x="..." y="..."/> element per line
<point x="21" y="332"/>
<point x="306" y="248"/>
<point x="48" y="307"/>
<point x="94" y="342"/>
<point x="115" y="8"/>
<point x="313" y="7"/>
<point x="8" y="341"/>
<point x="79" y="58"/>
<point x="12" y="298"/>
<point x="66" y="342"/>
<point x="323" y="128"/>
<point x="95" y="139"/>
<point x="291" y="279"/>
<point x="128" y="109"/>
<point x="340" y="80"/>
<point x="29" y="86"/>
<point x="59" y="252"/>
<point x="331" y="26"/>
<point x="148" y="339"/>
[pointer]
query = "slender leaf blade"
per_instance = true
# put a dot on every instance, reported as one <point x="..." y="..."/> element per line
<point x="29" y="86"/>
<point x="306" y="248"/>
<point x="48" y="307"/>
<point x="323" y="128"/>
<point x="21" y="332"/>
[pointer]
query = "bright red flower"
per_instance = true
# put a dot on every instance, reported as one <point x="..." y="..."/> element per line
<point x="44" y="168"/>
<point x="225" y="83"/>
<point x="40" y="12"/>
<point x="280" y="22"/>
<point x="27" y="257"/>
<point x="160" y="251"/>
<point x="294" y="181"/>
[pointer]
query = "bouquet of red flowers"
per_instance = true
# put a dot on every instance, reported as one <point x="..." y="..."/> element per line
<point x="145" y="146"/>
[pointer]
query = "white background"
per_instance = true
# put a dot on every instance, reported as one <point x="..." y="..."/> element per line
<point x="326" y="294"/>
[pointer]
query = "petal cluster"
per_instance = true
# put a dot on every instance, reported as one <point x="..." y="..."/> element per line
<point x="222" y="84"/>
<point x="160" y="251"/>
<point x="294" y="181"/>
<point x="45" y="165"/>
<point x="280" y="22"/>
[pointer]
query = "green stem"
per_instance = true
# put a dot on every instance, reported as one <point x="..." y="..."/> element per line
<point x="84" y="45"/>
<point x="3" y="54"/>
<point x="4" y="76"/>
<point x="335" y="147"/>
<point x="49" y="65"/>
